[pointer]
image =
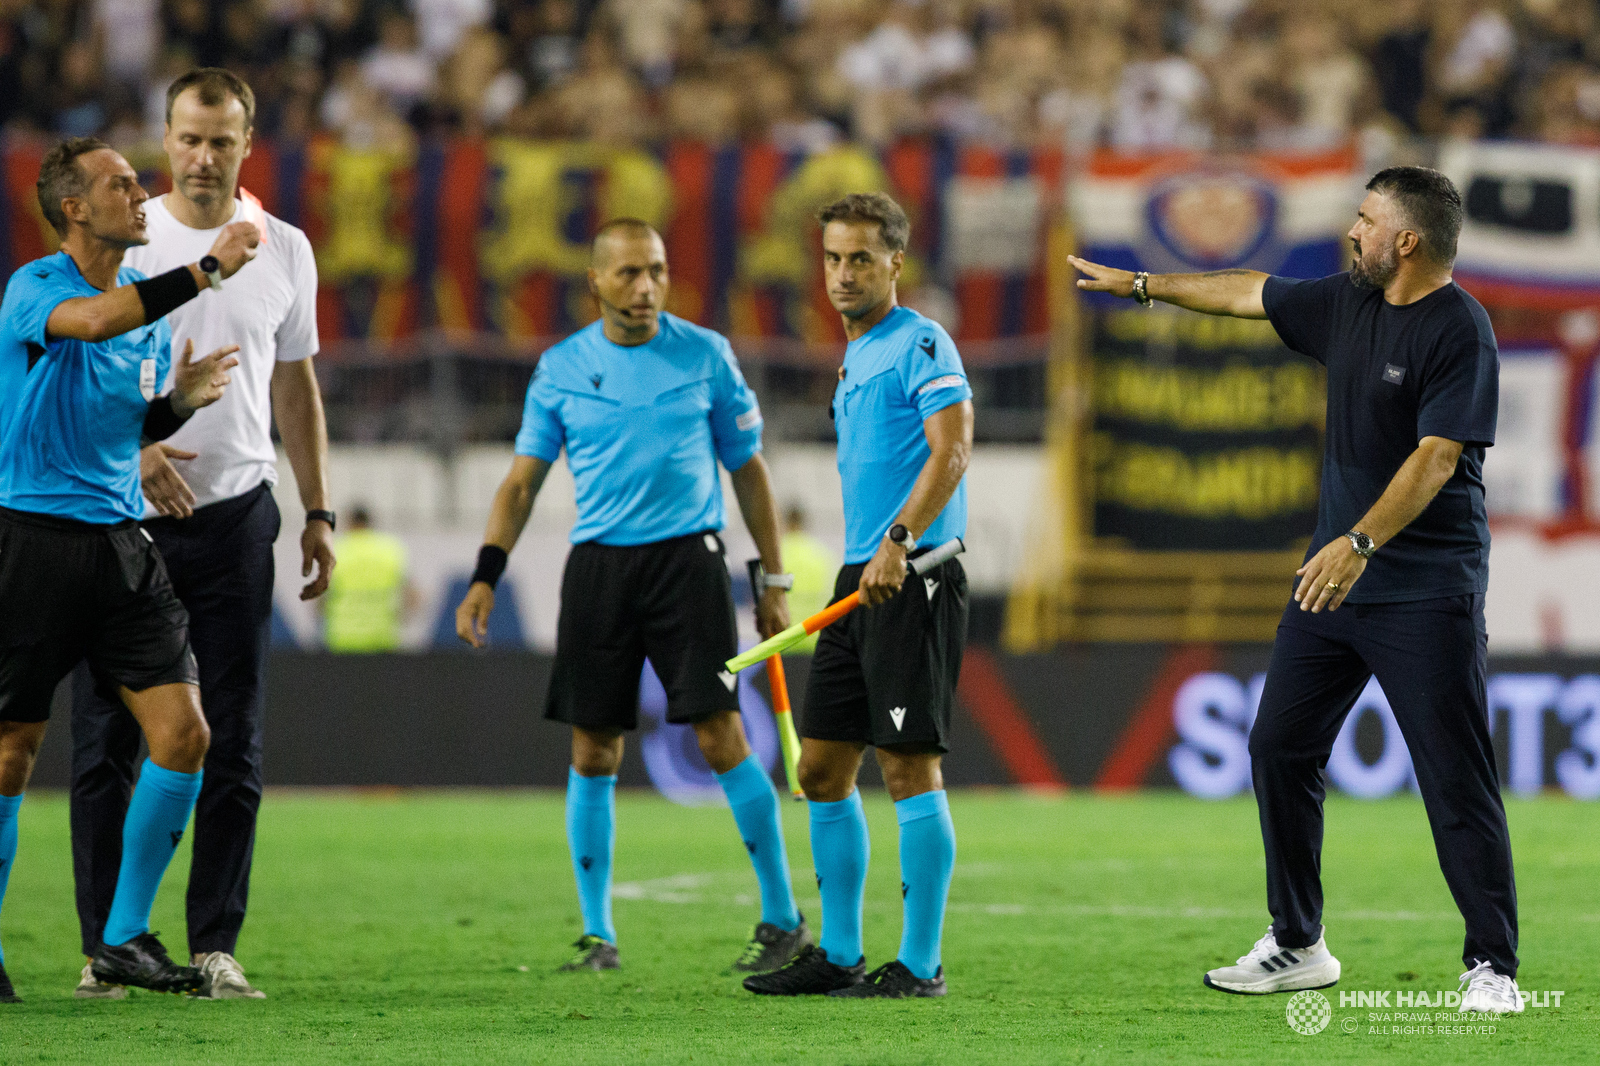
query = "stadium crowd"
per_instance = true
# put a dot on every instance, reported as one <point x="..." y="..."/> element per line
<point x="805" y="73"/>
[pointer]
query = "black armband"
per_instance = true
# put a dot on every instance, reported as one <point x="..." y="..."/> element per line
<point x="165" y="293"/>
<point x="160" y="420"/>
<point x="491" y="564"/>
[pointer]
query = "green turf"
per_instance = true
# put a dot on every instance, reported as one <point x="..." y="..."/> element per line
<point x="425" y="927"/>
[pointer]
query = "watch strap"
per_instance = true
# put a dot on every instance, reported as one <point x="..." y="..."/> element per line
<point x="212" y="269"/>
<point x="323" y="516"/>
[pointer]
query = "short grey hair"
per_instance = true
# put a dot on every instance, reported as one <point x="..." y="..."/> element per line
<point x="60" y="177"/>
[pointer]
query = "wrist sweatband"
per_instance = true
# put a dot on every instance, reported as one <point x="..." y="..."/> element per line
<point x="160" y="420"/>
<point x="165" y="293"/>
<point x="491" y="564"/>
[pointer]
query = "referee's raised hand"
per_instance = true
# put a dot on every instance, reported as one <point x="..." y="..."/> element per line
<point x="235" y="246"/>
<point x="197" y="385"/>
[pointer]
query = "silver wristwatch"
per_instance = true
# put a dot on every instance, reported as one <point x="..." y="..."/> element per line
<point x="1362" y="544"/>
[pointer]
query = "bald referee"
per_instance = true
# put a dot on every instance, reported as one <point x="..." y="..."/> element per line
<point x="646" y="405"/>
<point x="885" y="676"/>
<point x="212" y="514"/>
<point x="83" y="346"/>
<point x="1395" y="579"/>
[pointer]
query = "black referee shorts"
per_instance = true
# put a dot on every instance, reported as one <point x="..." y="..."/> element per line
<point x="886" y="675"/>
<point x="670" y="602"/>
<point x="70" y="591"/>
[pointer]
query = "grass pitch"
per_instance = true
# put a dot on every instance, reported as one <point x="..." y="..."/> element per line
<point x="426" y="927"/>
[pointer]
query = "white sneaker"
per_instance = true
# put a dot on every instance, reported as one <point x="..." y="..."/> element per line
<point x="1269" y="968"/>
<point x="91" y="987"/>
<point x="1490" y="992"/>
<point x="224" y="977"/>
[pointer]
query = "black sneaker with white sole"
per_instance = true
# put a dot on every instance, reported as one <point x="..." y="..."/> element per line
<point x="7" y="993"/>
<point x="893" y="980"/>
<point x="771" y="947"/>
<point x="143" y="963"/>
<point x="594" y="953"/>
<point x="807" y="974"/>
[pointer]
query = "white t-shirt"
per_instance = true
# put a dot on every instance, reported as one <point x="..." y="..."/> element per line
<point x="269" y="309"/>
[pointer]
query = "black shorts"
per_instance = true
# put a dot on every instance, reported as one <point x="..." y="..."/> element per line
<point x="886" y="675"/>
<point x="670" y="602"/>
<point x="70" y="591"/>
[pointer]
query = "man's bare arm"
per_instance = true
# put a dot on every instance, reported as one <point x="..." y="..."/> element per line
<point x="297" y="407"/>
<point x="508" y="514"/>
<point x="1219" y="292"/>
<point x="949" y="434"/>
<point x="1327" y="578"/>
<point x="752" y="486"/>
<point x="1411" y="489"/>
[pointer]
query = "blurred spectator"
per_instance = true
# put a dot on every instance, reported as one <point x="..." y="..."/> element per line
<point x="397" y="66"/>
<point x="1133" y="74"/>
<point x="813" y="567"/>
<point x="369" y="595"/>
<point x="443" y="23"/>
<point x="1161" y="93"/>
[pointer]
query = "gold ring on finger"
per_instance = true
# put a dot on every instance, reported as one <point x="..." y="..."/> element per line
<point x="1333" y="586"/>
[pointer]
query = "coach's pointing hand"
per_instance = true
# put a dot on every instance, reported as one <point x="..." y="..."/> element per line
<point x="235" y="246"/>
<point x="472" y="617"/>
<point x="884" y="574"/>
<point x="1103" y="278"/>
<point x="197" y="385"/>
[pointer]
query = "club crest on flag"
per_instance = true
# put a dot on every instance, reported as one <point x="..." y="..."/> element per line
<point x="1212" y="220"/>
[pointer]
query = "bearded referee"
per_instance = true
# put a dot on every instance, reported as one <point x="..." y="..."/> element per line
<point x="83" y="346"/>
<point x="885" y="676"/>
<point x="211" y="512"/>
<point x="646" y="405"/>
<point x="1395" y="579"/>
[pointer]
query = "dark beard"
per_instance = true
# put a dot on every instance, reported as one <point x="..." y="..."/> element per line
<point x="1379" y="274"/>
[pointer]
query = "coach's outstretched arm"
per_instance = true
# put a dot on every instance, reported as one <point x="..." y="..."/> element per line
<point x="99" y="318"/>
<point x="513" y="503"/>
<point x="752" y="486"/>
<point x="1219" y="292"/>
<point x="949" y="433"/>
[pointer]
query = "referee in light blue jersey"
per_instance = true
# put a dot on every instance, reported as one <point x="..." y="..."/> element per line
<point x="646" y="405"/>
<point x="886" y="675"/>
<point x="83" y="346"/>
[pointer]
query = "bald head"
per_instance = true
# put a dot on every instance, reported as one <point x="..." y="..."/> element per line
<point x="628" y="277"/>
<point x="619" y="233"/>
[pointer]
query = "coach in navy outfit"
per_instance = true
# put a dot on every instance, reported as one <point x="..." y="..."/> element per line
<point x="1394" y="583"/>
<point x="213" y="516"/>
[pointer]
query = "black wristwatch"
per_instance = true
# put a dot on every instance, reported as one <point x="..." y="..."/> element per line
<point x="902" y="536"/>
<point x="1362" y="544"/>
<point x="323" y="516"/>
<point x="211" y="267"/>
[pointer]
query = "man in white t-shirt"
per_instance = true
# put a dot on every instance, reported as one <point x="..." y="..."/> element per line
<point x="211" y="513"/>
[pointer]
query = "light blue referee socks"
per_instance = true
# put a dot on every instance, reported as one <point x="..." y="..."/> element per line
<point x="157" y="816"/>
<point x="755" y="812"/>
<point x="591" y="835"/>
<point x="927" y="858"/>
<point x="840" y="851"/>
<point x="8" y="847"/>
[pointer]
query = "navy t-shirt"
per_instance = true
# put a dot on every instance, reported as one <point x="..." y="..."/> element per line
<point x="1397" y="374"/>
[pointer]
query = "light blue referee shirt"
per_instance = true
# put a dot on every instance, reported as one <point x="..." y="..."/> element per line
<point x="902" y="371"/>
<point x="71" y="411"/>
<point x="643" y="427"/>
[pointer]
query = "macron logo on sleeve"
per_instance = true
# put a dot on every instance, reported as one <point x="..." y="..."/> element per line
<point x="749" y="420"/>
